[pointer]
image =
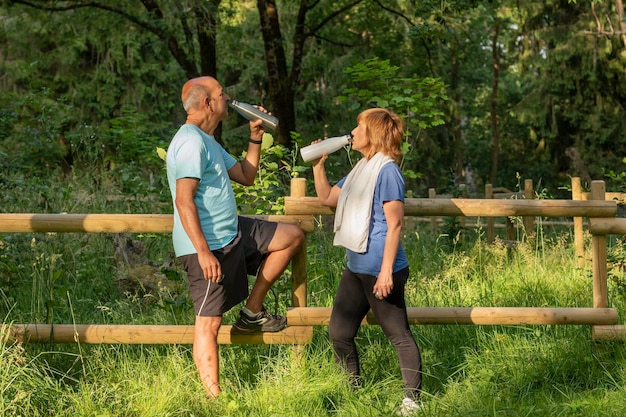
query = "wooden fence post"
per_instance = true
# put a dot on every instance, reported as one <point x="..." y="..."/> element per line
<point x="298" y="263"/>
<point x="490" y="220"/>
<point x="433" y="220"/>
<point x="599" y="255"/>
<point x="578" y="224"/>
<point x="463" y="219"/>
<point x="529" y="222"/>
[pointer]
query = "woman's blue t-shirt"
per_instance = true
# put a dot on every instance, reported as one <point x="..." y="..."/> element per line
<point x="389" y="187"/>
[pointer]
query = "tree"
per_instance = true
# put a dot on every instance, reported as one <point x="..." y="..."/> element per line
<point x="543" y="99"/>
<point x="452" y="37"/>
<point x="111" y="62"/>
<point x="109" y="58"/>
<point x="575" y="92"/>
<point x="187" y="28"/>
<point x="283" y="82"/>
<point x="417" y="100"/>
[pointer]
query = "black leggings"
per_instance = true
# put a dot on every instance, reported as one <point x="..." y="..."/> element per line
<point x="353" y="300"/>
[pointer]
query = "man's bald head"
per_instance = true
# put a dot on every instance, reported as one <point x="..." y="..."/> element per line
<point x="196" y="90"/>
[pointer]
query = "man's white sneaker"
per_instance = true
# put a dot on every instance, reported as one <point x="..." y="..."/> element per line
<point x="410" y="407"/>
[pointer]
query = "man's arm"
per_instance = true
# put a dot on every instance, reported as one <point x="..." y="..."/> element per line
<point x="245" y="170"/>
<point x="185" y="191"/>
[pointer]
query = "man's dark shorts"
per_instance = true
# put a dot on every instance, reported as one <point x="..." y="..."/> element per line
<point x="241" y="257"/>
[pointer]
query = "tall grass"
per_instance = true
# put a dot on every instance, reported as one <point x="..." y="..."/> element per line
<point x="468" y="370"/>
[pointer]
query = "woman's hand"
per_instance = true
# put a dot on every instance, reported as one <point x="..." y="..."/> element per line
<point x="328" y="195"/>
<point x="319" y="162"/>
<point x="383" y="286"/>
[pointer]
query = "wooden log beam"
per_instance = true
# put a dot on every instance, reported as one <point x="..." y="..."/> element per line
<point x="505" y="208"/>
<point x="143" y="334"/>
<point x="305" y="205"/>
<point x="93" y="223"/>
<point x="475" y="207"/>
<point x="319" y="316"/>
<point x="616" y="332"/>
<point x="599" y="255"/>
<point x="511" y="194"/>
<point x="609" y="196"/>
<point x="112" y="223"/>
<point x="607" y="226"/>
<point x="579" y="242"/>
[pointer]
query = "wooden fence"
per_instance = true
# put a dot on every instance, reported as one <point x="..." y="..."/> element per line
<point x="527" y="229"/>
<point x="301" y="209"/>
<point x="491" y="192"/>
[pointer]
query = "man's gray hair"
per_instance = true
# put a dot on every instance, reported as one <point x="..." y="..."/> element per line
<point x="195" y="95"/>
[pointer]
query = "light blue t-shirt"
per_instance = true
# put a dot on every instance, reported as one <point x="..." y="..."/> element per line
<point x="389" y="187"/>
<point x="194" y="154"/>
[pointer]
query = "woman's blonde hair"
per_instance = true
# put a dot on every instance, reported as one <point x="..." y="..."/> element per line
<point x="384" y="129"/>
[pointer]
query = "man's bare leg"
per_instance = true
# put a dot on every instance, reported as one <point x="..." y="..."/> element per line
<point x="282" y="248"/>
<point x="206" y="353"/>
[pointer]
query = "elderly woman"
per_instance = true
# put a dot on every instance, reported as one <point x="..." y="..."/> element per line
<point x="369" y="205"/>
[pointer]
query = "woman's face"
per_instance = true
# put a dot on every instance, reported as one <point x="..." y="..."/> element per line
<point x="360" y="140"/>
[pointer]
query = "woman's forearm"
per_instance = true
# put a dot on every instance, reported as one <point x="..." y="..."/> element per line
<point x="323" y="189"/>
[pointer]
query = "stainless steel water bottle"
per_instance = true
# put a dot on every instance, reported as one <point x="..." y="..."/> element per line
<point x="327" y="146"/>
<point x="252" y="113"/>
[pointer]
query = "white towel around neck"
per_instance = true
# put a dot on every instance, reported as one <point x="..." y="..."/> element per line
<point x="354" y="207"/>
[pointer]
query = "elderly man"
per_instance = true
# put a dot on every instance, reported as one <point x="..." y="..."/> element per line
<point x="217" y="247"/>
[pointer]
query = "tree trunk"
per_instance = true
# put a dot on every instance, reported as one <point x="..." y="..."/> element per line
<point x="494" y="105"/>
<point x="207" y="38"/>
<point x="206" y="23"/>
<point x="281" y="84"/>
<point x="456" y="119"/>
<point x="619" y="8"/>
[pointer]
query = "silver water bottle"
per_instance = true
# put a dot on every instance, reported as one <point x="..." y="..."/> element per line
<point x="251" y="113"/>
<point x="326" y="146"/>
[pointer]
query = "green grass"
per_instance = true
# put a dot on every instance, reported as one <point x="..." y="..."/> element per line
<point x="468" y="370"/>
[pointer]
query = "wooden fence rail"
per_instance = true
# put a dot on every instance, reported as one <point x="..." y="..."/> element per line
<point x="145" y="334"/>
<point x="319" y="316"/>
<point x="301" y="210"/>
<point x="474" y="207"/>
<point x="110" y="223"/>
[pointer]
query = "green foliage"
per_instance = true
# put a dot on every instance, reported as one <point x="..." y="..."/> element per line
<point x="570" y="98"/>
<point x="130" y="138"/>
<point x="617" y="268"/>
<point x="277" y="166"/>
<point x="33" y="128"/>
<point x="616" y="179"/>
<point x="83" y="68"/>
<point x="378" y="85"/>
<point x="69" y="73"/>
<point x="27" y="385"/>
<point x="417" y="100"/>
<point x="43" y="138"/>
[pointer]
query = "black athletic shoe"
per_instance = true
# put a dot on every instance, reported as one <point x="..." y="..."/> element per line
<point x="261" y="322"/>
